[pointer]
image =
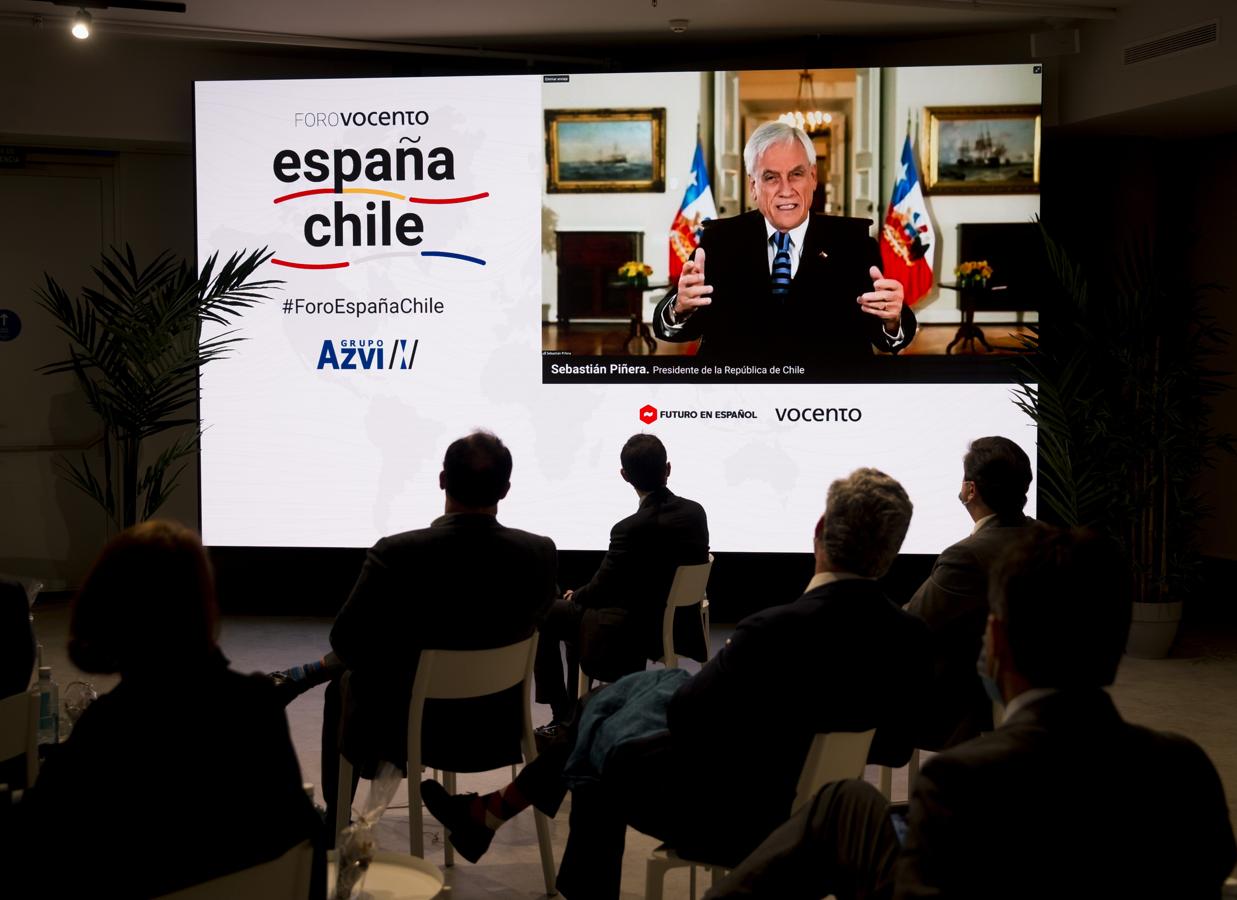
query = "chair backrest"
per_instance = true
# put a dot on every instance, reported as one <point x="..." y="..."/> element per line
<point x="19" y="730"/>
<point x="687" y="589"/>
<point x="283" y="878"/>
<point x="460" y="674"/>
<point x="834" y="756"/>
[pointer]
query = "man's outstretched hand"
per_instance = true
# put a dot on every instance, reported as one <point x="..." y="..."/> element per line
<point x="884" y="300"/>
<point x="693" y="293"/>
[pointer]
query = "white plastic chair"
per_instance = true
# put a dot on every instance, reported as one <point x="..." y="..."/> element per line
<point x="687" y="589"/>
<point x="912" y="772"/>
<point x="283" y="878"/>
<point x="19" y="731"/>
<point x="833" y="756"/>
<point x="459" y="675"/>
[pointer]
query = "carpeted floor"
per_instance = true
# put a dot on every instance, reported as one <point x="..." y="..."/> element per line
<point x="1193" y="692"/>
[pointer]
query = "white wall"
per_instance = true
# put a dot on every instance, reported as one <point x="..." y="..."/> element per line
<point x="66" y="210"/>
<point x="1096" y="83"/>
<point x="651" y="214"/>
<point x="909" y="90"/>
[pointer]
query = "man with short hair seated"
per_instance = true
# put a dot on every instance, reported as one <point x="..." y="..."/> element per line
<point x="620" y="609"/>
<point x="466" y="582"/>
<point x="996" y="475"/>
<point x="714" y="769"/>
<point x="1064" y="799"/>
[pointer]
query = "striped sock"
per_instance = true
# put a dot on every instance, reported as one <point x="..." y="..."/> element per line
<point x="311" y="674"/>
<point x="495" y="808"/>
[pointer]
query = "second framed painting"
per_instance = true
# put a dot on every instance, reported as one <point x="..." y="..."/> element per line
<point x="605" y="150"/>
<point x="981" y="149"/>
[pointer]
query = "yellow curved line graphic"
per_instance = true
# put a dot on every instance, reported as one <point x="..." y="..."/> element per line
<point x="374" y="191"/>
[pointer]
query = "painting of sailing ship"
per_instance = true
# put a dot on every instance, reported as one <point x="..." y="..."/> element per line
<point x="982" y="149"/>
<point x="605" y="150"/>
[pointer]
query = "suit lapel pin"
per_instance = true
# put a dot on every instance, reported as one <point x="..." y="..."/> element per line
<point x="824" y="255"/>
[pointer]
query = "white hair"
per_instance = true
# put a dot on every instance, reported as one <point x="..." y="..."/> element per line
<point x="771" y="133"/>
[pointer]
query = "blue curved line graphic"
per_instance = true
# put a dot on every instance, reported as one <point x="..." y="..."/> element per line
<point x="471" y="259"/>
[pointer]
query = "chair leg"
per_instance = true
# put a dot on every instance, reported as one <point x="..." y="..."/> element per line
<point x="886" y="785"/>
<point x="655" y="874"/>
<point x="343" y="798"/>
<point x="691" y="882"/>
<point x="448" y="852"/>
<point x="583" y="684"/>
<point x="912" y="772"/>
<point x="547" y="851"/>
<point x="416" y="823"/>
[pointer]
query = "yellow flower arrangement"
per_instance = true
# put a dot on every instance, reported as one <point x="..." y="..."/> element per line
<point x="635" y="271"/>
<point x="973" y="274"/>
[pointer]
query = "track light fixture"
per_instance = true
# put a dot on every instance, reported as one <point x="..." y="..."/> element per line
<point x="81" y="25"/>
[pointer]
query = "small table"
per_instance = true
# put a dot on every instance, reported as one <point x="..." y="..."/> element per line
<point x="969" y="300"/>
<point x="394" y="876"/>
<point x="635" y="312"/>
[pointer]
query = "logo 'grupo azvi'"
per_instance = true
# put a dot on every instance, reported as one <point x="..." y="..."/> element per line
<point x="375" y="224"/>
<point x="368" y="354"/>
<point x="648" y="414"/>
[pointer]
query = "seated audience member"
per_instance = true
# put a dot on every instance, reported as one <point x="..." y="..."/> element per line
<point x="17" y="650"/>
<point x="1064" y="799"/>
<point x="185" y="770"/>
<point x="16" y="668"/>
<point x="996" y="475"/>
<point x="714" y="769"/>
<point x="466" y="582"/>
<point x="646" y="549"/>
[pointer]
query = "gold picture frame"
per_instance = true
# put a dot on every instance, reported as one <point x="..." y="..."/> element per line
<point x="981" y="149"/>
<point x="605" y="150"/>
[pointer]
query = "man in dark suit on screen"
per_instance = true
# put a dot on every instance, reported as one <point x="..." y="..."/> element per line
<point x="466" y="582"/>
<point x="630" y="587"/>
<point x="780" y="283"/>
<point x="996" y="475"/>
<point x="1065" y="799"/>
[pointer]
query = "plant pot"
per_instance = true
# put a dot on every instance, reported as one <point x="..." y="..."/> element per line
<point x="1153" y="627"/>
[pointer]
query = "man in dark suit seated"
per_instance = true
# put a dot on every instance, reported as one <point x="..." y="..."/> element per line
<point x="466" y="582"/>
<point x="996" y="475"/>
<point x="1064" y="799"/>
<point x="719" y="771"/>
<point x="630" y="587"/>
<point x="17" y="637"/>
<point x="781" y="282"/>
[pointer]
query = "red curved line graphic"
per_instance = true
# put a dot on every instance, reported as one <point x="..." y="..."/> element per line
<point x="480" y="196"/>
<point x="304" y="194"/>
<point x="297" y="265"/>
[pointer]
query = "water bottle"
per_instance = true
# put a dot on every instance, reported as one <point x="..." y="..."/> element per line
<point x="49" y="707"/>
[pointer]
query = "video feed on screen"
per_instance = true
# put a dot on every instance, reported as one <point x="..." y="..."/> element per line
<point x="530" y="254"/>
<point x="904" y="206"/>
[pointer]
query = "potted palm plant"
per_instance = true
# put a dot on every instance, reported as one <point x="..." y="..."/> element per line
<point x="1119" y="385"/>
<point x="134" y="349"/>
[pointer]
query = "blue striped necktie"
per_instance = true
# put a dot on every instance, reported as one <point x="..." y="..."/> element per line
<point x="781" y="263"/>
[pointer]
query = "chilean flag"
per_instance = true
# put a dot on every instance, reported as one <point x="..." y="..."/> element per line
<point x="907" y="236"/>
<point x="697" y="208"/>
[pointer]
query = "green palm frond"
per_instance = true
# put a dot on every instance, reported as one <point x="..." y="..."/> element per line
<point x="136" y="351"/>
<point x="1118" y="381"/>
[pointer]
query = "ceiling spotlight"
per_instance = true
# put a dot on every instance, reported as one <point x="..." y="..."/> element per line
<point x="678" y="26"/>
<point x="81" y="25"/>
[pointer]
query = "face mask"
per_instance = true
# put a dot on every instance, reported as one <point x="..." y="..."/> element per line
<point x="990" y="686"/>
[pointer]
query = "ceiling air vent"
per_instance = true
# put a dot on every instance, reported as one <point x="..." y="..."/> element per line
<point x="1173" y="43"/>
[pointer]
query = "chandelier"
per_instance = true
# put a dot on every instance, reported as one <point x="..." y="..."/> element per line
<point x="807" y="116"/>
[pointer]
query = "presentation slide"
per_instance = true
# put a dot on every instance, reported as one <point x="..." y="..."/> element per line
<point x="452" y="253"/>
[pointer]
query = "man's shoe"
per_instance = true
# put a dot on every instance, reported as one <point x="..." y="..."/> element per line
<point x="287" y="689"/>
<point x="453" y="811"/>
<point x="544" y="735"/>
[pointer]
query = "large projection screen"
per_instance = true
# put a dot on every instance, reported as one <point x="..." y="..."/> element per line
<point x="411" y="225"/>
